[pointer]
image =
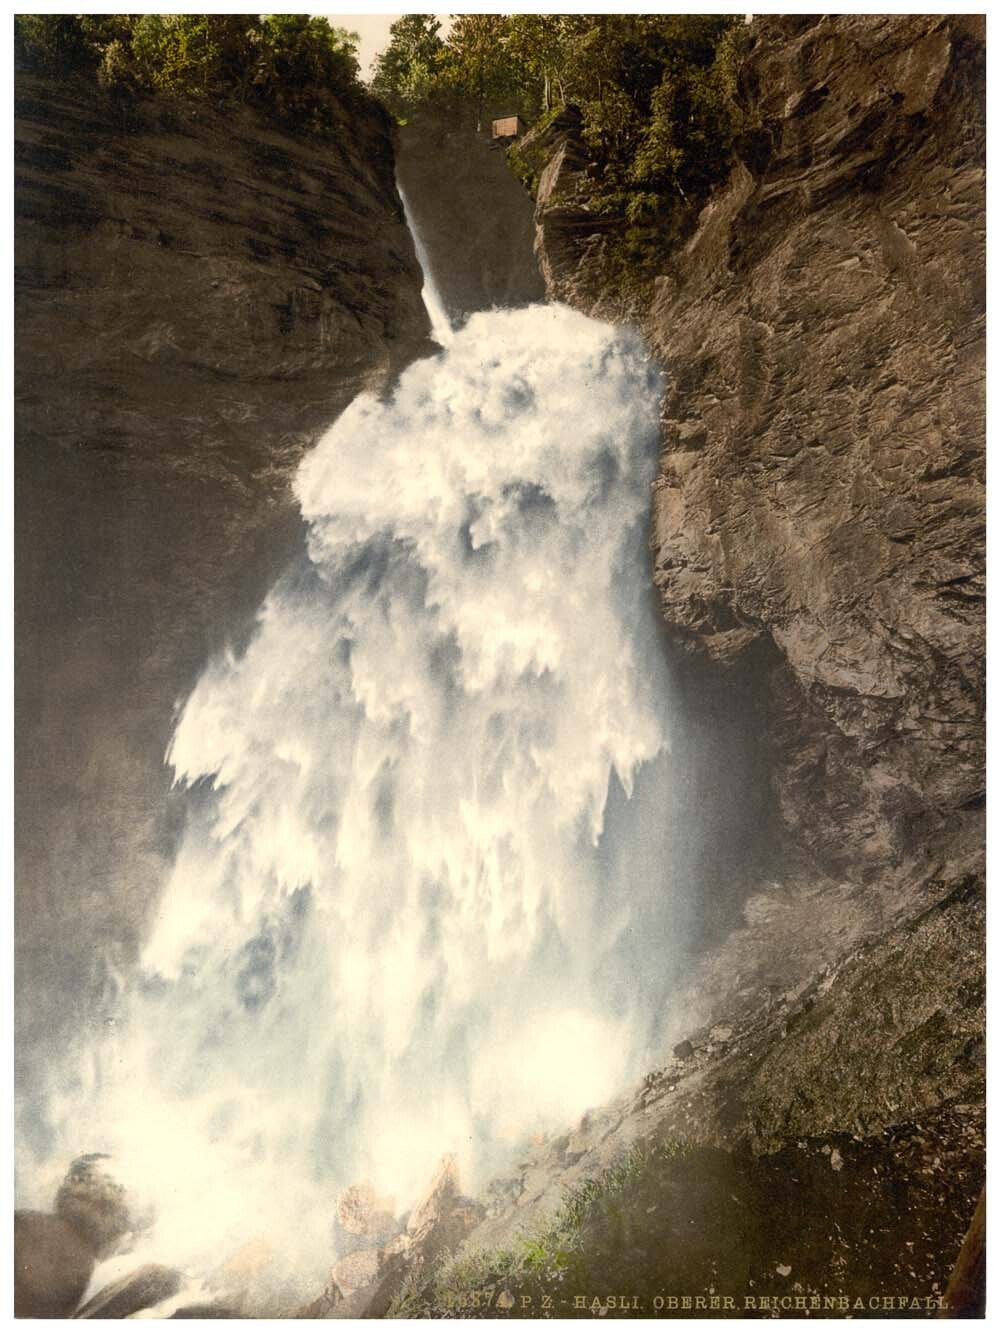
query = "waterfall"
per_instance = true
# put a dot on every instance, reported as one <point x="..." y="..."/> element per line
<point x="440" y="323"/>
<point x="421" y="902"/>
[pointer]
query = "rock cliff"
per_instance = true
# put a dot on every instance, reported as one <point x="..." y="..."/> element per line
<point x="821" y="488"/>
<point x="473" y="217"/>
<point x="818" y="537"/>
<point x="198" y="294"/>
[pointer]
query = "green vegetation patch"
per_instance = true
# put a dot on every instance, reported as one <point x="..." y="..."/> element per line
<point x="296" y="68"/>
<point x="604" y="1233"/>
<point x="677" y="1230"/>
<point x="656" y="96"/>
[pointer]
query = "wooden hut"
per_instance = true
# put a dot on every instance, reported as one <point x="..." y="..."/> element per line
<point x="508" y="127"/>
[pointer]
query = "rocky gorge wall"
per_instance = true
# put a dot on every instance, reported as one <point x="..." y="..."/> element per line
<point x="818" y="541"/>
<point x="820" y="501"/>
<point x="199" y="293"/>
<point x="817" y="549"/>
<point x="821" y="486"/>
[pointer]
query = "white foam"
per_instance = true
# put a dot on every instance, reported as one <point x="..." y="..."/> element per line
<point x="394" y="928"/>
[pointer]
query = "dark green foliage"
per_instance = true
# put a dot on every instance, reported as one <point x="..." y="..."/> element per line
<point x="301" y="61"/>
<point x="295" y="67"/>
<point x="662" y="127"/>
<point x="527" y="159"/>
<point x="54" y="42"/>
<point x="656" y="94"/>
<point x="406" y="73"/>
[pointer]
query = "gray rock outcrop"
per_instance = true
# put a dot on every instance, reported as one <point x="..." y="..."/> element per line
<point x="474" y="218"/>
<point x="823" y="468"/>
<point x="141" y="1290"/>
<point x="53" y="1264"/>
<point x="365" y="1282"/>
<point x="821" y="487"/>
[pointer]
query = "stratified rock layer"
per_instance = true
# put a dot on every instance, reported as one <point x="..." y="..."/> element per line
<point x="822" y="481"/>
<point x="821" y="487"/>
<point x="474" y="218"/>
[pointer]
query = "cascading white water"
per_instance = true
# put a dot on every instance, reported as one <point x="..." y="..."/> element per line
<point x="421" y="904"/>
<point x="440" y="323"/>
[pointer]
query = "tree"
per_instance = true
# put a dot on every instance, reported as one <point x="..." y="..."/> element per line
<point x="476" y="62"/>
<point x="655" y="94"/>
<point x="540" y="44"/>
<point x="55" y="42"/>
<point x="301" y="62"/>
<point x="192" y="55"/>
<point x="297" y="67"/>
<point x="406" y="71"/>
<point x="691" y="112"/>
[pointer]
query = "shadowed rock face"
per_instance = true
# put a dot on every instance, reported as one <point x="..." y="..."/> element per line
<point x="197" y="297"/>
<point x="146" y="1287"/>
<point x="474" y="218"/>
<point x="94" y="1204"/>
<point x="820" y="498"/>
<point x="52" y="1266"/>
<point x="823" y="475"/>
<point x="365" y="1282"/>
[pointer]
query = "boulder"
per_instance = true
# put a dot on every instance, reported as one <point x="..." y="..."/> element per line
<point x="364" y="1283"/>
<point x="205" y="1312"/>
<point x="439" y="1223"/>
<point x="362" y="1212"/>
<point x="94" y="1204"/>
<point x="324" y="1304"/>
<point x="144" y="1287"/>
<point x="444" y="1216"/>
<point x="52" y="1266"/>
<point x="352" y="1272"/>
<point x="55" y="1253"/>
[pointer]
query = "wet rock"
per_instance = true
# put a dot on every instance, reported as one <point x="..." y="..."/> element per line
<point x="52" y="1266"/>
<point x="362" y="1212"/>
<point x="444" y="1216"/>
<point x="833" y="508"/>
<point x="55" y="1254"/>
<point x="474" y="218"/>
<point x="356" y="1270"/>
<point x="94" y="1204"/>
<point x="206" y="1312"/>
<point x="324" y="1305"/>
<point x="365" y="1282"/>
<point x="146" y="1287"/>
<point x="820" y="503"/>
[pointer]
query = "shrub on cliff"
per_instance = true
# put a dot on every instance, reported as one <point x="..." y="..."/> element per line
<point x="655" y="95"/>
<point x="290" y="65"/>
<point x="406" y="73"/>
